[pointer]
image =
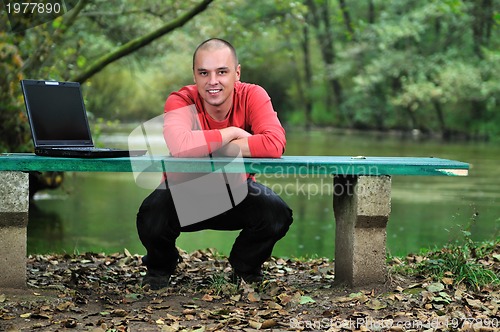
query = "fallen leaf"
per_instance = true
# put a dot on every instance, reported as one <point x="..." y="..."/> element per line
<point x="41" y="316"/>
<point x="133" y="297"/>
<point x="268" y="323"/>
<point x="274" y="305"/>
<point x="189" y="312"/>
<point x="254" y="324"/>
<point x="235" y="297"/>
<point x="474" y="303"/>
<point x="64" y="306"/>
<point x="284" y="298"/>
<point x="415" y="285"/>
<point x="190" y="306"/>
<point x="170" y="328"/>
<point x="296" y="298"/>
<point x="448" y="281"/>
<point x="435" y="287"/>
<point x="376" y="304"/>
<point x="172" y="317"/>
<point x="201" y="329"/>
<point x="306" y="299"/>
<point x="119" y="313"/>
<point x="254" y="297"/>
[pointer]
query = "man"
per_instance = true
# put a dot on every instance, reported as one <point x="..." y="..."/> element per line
<point x="228" y="114"/>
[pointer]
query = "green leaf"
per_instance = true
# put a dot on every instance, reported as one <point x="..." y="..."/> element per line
<point x="306" y="299"/>
<point x="435" y="287"/>
<point x="81" y="61"/>
<point x="57" y="23"/>
<point x="376" y="304"/>
<point x="133" y="296"/>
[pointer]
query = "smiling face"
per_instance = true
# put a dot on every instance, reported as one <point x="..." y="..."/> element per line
<point x="215" y="71"/>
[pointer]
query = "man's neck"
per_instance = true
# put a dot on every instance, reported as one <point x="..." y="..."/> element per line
<point x="217" y="113"/>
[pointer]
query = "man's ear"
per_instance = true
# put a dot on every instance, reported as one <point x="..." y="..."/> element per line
<point x="238" y="72"/>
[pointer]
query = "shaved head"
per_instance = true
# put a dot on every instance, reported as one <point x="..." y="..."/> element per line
<point x="215" y="44"/>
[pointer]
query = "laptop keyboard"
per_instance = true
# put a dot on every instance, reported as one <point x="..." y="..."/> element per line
<point x="82" y="148"/>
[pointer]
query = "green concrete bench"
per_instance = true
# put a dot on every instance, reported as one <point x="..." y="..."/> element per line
<point x="361" y="200"/>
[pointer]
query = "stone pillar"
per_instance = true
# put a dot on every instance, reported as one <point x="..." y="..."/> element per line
<point x="14" y="202"/>
<point x="362" y="205"/>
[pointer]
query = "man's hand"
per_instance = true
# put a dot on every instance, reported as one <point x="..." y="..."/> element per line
<point x="232" y="139"/>
<point x="230" y="134"/>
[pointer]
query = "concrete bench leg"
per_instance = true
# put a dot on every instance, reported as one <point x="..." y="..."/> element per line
<point x="362" y="205"/>
<point x="14" y="202"/>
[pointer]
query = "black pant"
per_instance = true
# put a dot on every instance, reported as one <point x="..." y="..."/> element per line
<point x="262" y="216"/>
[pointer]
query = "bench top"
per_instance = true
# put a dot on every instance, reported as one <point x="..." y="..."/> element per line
<point x="287" y="165"/>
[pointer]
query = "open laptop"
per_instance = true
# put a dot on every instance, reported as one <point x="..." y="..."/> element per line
<point x="59" y="124"/>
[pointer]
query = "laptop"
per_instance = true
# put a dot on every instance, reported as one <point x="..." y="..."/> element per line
<point x="59" y="123"/>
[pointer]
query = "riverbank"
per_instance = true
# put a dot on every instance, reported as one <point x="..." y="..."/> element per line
<point x="97" y="292"/>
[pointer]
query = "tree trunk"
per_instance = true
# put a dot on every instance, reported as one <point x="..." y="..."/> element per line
<point x="371" y="12"/>
<point x="483" y="20"/>
<point x="308" y="77"/>
<point x="347" y="19"/>
<point x="321" y="22"/>
<point x="445" y="134"/>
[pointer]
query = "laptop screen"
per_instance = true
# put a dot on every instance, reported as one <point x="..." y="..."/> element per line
<point x="56" y="113"/>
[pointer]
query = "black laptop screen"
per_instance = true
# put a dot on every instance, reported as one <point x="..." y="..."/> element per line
<point x="57" y="113"/>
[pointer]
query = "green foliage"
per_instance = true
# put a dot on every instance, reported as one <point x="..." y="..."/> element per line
<point x="14" y="133"/>
<point x="431" y="65"/>
<point x="415" y="59"/>
<point x="462" y="263"/>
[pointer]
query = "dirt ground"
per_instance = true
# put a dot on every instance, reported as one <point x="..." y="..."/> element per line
<point x="97" y="292"/>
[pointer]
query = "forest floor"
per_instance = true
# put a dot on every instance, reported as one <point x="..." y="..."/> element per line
<point x="97" y="292"/>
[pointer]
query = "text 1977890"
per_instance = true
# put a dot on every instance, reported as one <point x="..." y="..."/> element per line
<point x="33" y="8"/>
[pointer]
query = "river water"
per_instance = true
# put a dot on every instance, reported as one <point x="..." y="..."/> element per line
<point x="96" y="211"/>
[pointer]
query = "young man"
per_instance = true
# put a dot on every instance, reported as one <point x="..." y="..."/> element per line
<point x="228" y="115"/>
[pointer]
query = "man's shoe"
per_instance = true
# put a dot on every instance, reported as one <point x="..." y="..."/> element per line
<point x="156" y="280"/>
<point x="249" y="278"/>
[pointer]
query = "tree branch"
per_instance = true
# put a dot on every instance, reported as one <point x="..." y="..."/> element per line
<point x="138" y="43"/>
<point x="41" y="55"/>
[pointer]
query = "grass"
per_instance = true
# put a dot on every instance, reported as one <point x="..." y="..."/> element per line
<point x="221" y="286"/>
<point x="461" y="262"/>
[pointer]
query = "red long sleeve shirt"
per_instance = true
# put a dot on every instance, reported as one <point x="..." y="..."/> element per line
<point x="190" y="131"/>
